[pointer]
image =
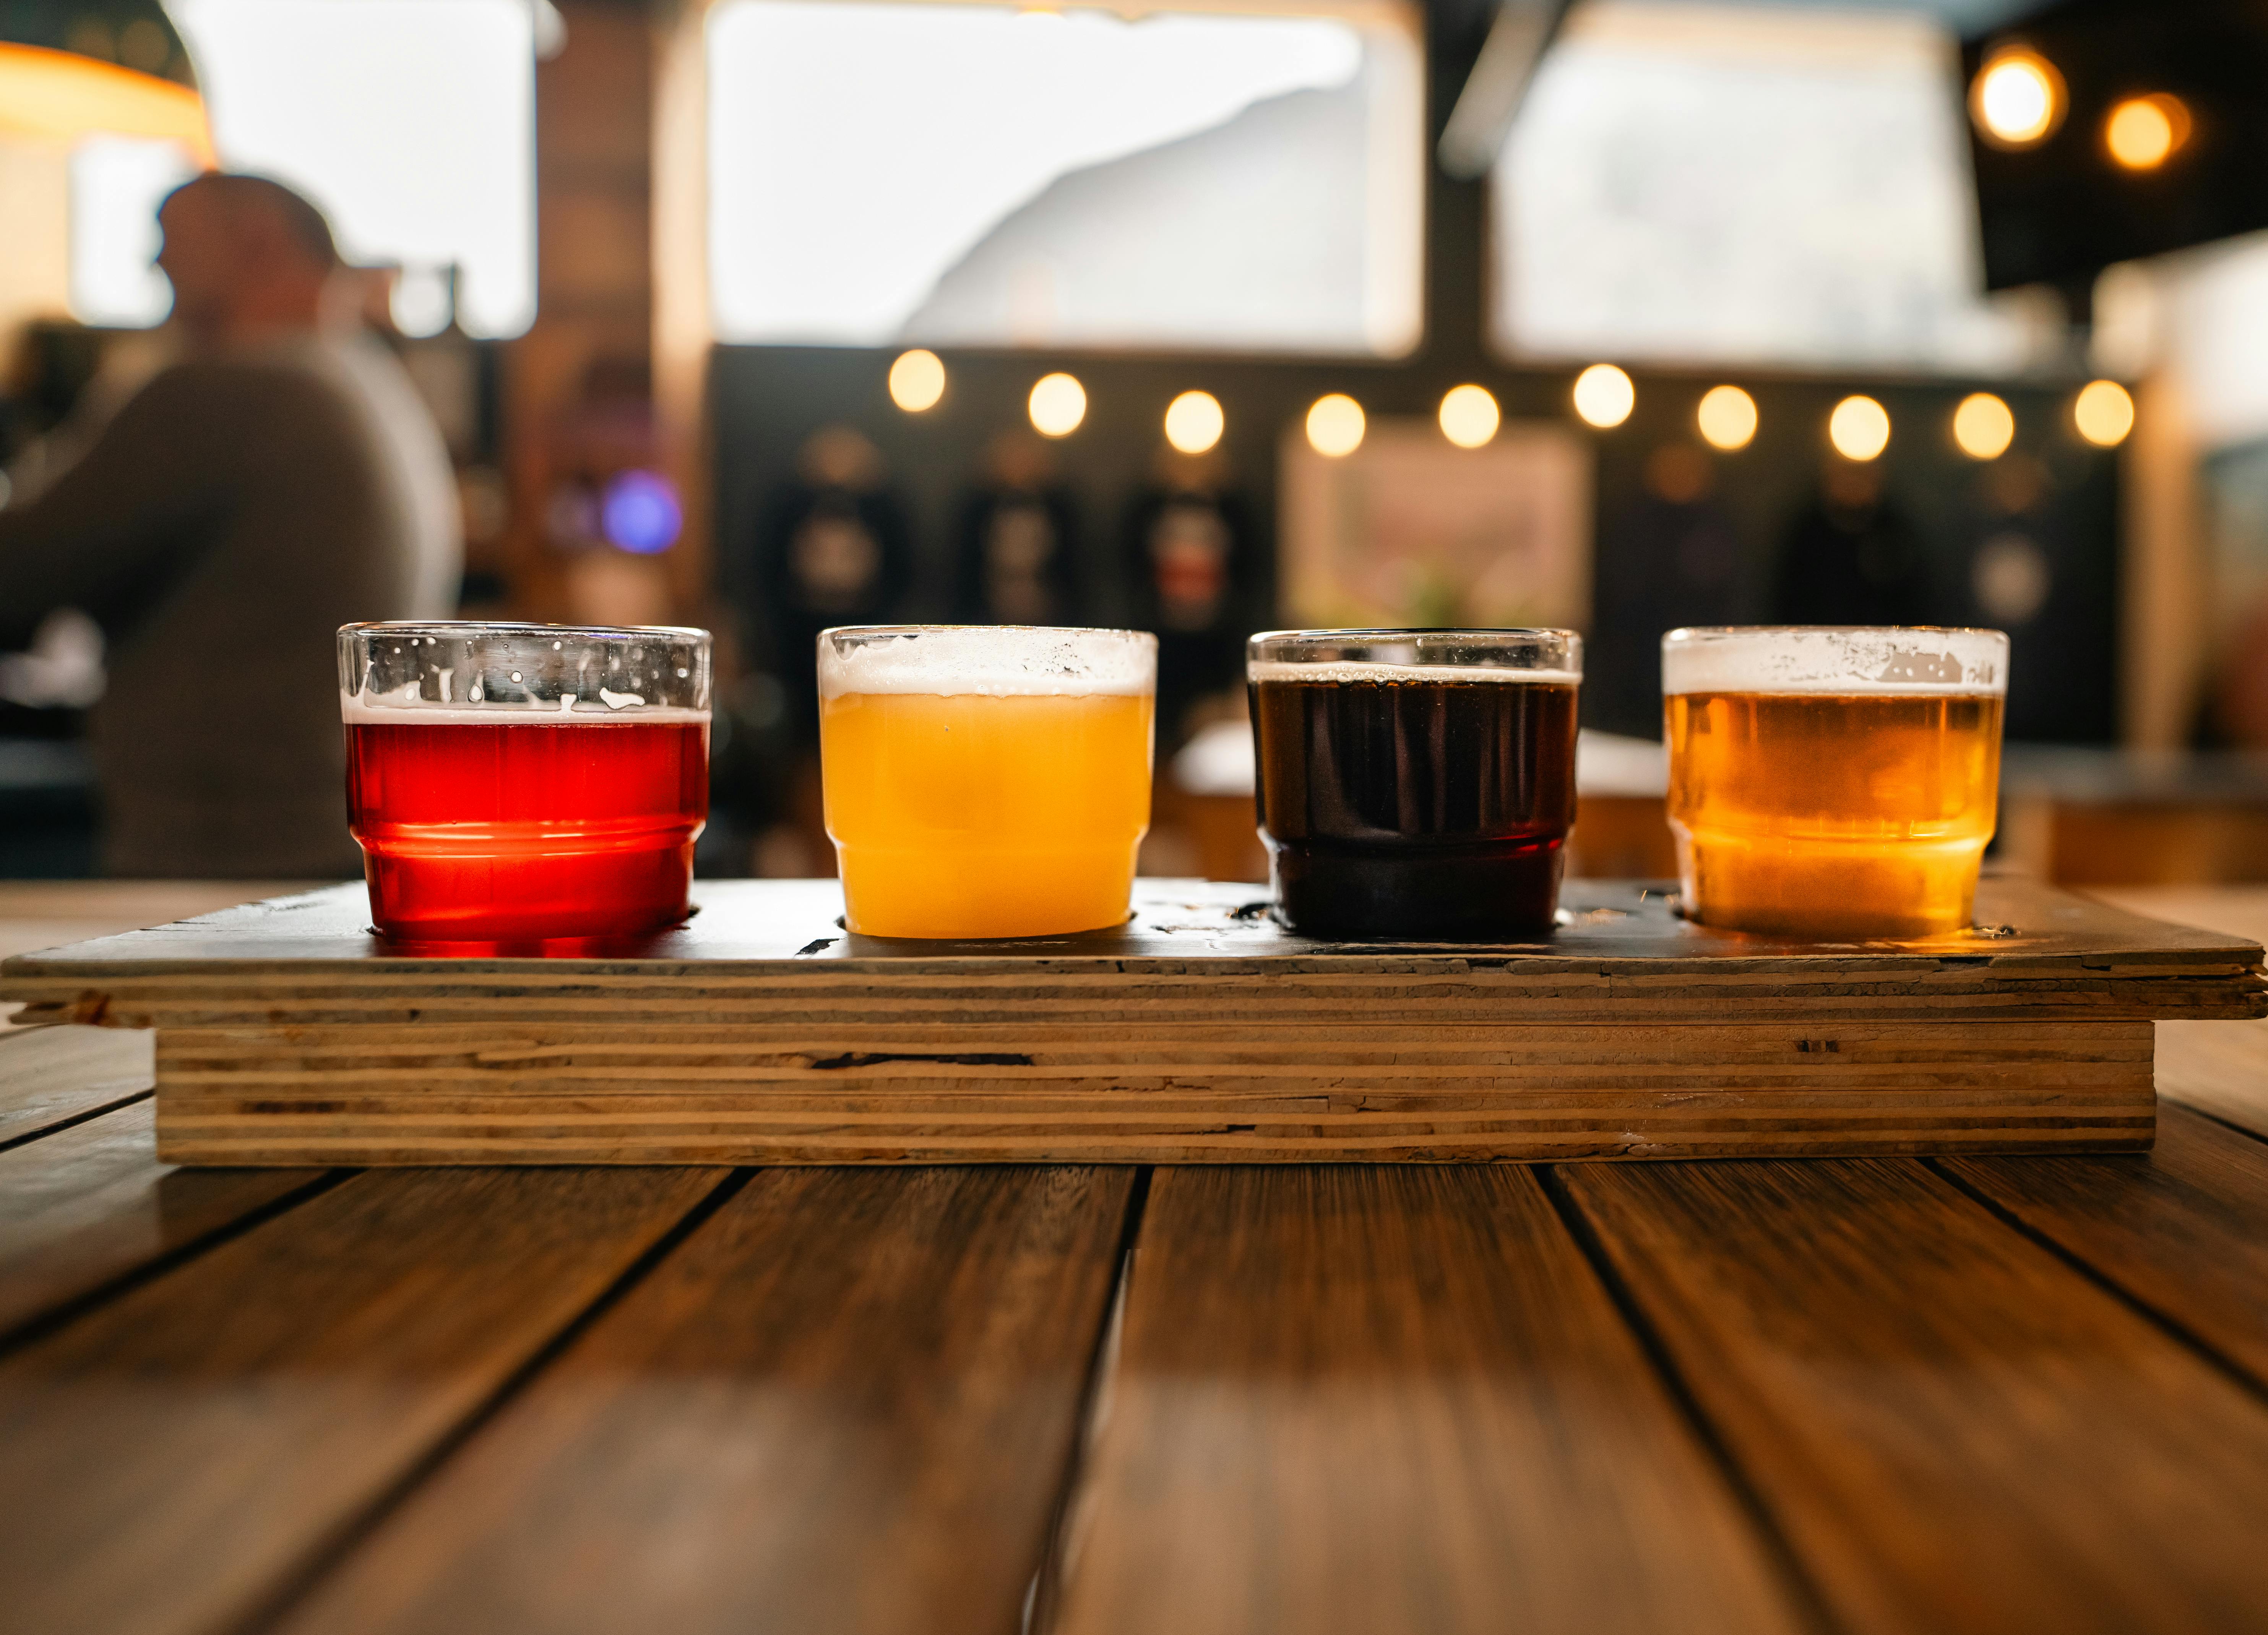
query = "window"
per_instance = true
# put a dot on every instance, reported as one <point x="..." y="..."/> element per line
<point x="959" y="174"/>
<point x="1701" y="183"/>
<point x="411" y="121"/>
<point x="116" y="185"/>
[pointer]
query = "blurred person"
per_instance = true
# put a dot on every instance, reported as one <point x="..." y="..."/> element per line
<point x="281" y="479"/>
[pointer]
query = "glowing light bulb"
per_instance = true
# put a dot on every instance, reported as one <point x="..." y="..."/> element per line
<point x="2104" y="413"/>
<point x="1860" y="428"/>
<point x="917" y="381"/>
<point x="1604" y="396"/>
<point x="1469" y="416"/>
<point x="2017" y="99"/>
<point x="1983" y="426"/>
<point x="1726" y="416"/>
<point x="2142" y="133"/>
<point x="1058" y="404"/>
<point x="1335" y="425"/>
<point x="1194" y="422"/>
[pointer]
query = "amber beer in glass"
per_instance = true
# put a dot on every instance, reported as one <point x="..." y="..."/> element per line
<point x="986" y="780"/>
<point x="1416" y="784"/>
<point x="1833" y="783"/>
<point x="524" y="784"/>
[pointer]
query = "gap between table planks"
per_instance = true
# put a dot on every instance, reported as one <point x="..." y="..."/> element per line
<point x="844" y="1404"/>
<point x="168" y="1458"/>
<point x="1958" y="1429"/>
<point x="51" y="1076"/>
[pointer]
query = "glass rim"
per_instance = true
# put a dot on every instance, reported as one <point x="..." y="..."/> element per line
<point x="1402" y="633"/>
<point x="461" y="627"/>
<point x="986" y="660"/>
<point x="1504" y="649"/>
<point x="1702" y="632"/>
<point x="833" y="630"/>
<point x="1935" y="660"/>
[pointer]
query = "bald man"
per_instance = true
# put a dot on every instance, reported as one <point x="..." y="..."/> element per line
<point x="281" y="480"/>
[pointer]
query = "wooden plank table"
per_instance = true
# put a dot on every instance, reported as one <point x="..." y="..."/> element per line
<point x="2003" y="1394"/>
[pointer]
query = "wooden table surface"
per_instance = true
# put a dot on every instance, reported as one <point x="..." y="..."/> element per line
<point x="1999" y="1396"/>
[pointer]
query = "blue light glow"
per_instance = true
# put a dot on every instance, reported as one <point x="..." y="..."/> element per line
<point x="639" y="513"/>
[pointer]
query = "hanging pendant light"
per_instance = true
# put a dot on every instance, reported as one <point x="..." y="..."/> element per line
<point x="69" y="71"/>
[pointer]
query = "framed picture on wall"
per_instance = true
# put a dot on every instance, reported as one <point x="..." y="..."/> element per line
<point x="1410" y="529"/>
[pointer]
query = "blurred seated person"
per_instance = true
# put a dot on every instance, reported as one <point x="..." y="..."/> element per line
<point x="279" y="480"/>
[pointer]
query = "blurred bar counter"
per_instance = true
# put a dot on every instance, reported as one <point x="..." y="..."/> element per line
<point x="2123" y="817"/>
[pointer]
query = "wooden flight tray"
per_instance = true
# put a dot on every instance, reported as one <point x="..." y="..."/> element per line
<point x="760" y="1031"/>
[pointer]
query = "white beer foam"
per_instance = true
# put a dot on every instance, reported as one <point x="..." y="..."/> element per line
<point x="1337" y="670"/>
<point x="1793" y="659"/>
<point x="994" y="662"/>
<point x="376" y="709"/>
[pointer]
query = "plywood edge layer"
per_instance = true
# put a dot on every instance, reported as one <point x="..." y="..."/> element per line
<point x="211" y="1005"/>
<point x="819" y="1145"/>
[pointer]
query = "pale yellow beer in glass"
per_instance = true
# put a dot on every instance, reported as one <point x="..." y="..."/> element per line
<point x="985" y="781"/>
<point x="1833" y="783"/>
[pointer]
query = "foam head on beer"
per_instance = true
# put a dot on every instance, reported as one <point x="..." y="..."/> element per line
<point x="985" y="781"/>
<point x="1416" y="784"/>
<point x="518" y="784"/>
<point x="1836" y="784"/>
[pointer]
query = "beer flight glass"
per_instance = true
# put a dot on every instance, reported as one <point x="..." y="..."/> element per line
<point x="525" y="783"/>
<point x="1416" y="784"/>
<point x="986" y="780"/>
<point x="1833" y="783"/>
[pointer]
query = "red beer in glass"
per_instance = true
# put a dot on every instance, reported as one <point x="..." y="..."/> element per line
<point x="524" y="784"/>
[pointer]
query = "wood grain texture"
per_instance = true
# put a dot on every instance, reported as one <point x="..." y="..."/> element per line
<point x="1368" y="1400"/>
<point x="86" y="1205"/>
<point x="2183" y="1228"/>
<point x="51" y="1075"/>
<point x="2233" y="910"/>
<point x="2221" y="1067"/>
<point x="845" y="1404"/>
<point x="40" y="914"/>
<point x="1959" y="1433"/>
<point x="449" y="1092"/>
<point x="166" y="1459"/>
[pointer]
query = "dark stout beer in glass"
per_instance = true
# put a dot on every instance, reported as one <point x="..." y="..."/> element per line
<point x="1416" y="784"/>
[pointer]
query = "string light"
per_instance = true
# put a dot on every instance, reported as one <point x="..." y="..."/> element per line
<point x="1335" y="425"/>
<point x="2104" y="413"/>
<point x="917" y="381"/>
<point x="1983" y="426"/>
<point x="2142" y="133"/>
<point x="1860" y="428"/>
<point x="1058" y="404"/>
<point x="1469" y="416"/>
<point x="2017" y="99"/>
<point x="1194" y="422"/>
<point x="1604" y="396"/>
<point x="1727" y="417"/>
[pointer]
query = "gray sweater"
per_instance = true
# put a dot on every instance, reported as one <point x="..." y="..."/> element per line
<point x="239" y="509"/>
